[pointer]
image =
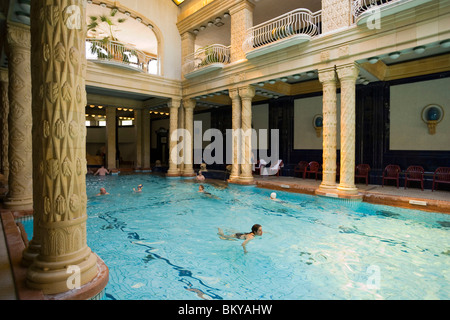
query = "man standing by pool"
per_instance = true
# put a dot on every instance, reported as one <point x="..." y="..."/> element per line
<point x="101" y="171"/>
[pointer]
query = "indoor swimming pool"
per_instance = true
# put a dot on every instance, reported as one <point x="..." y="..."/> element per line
<point x="162" y="243"/>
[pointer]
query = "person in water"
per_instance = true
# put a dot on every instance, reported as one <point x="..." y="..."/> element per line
<point x="200" y="176"/>
<point x="102" y="192"/>
<point x="139" y="188"/>
<point x="256" y="231"/>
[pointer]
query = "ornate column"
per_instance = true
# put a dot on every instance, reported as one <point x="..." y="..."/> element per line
<point x="173" y="105"/>
<point x="336" y="14"/>
<point x="181" y="126"/>
<point x="111" y="138"/>
<point x="20" y="181"/>
<point x="138" y="130"/>
<point x="328" y="79"/>
<point x="347" y="76"/>
<point x="59" y="99"/>
<point x="241" y="20"/>
<point x="236" y="126"/>
<point x="246" y="93"/>
<point x="146" y="140"/>
<point x="4" y="121"/>
<point x="189" y="105"/>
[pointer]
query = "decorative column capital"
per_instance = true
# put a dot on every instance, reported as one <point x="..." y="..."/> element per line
<point x="327" y="75"/>
<point x="18" y="35"/>
<point x="247" y="92"/>
<point x="233" y="93"/>
<point x="189" y="103"/>
<point x="174" y="103"/>
<point x="348" y="71"/>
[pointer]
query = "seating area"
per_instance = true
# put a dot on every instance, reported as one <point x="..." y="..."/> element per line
<point x="392" y="174"/>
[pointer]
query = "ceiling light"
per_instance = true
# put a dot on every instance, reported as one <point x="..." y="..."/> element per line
<point x="139" y="19"/>
<point x="373" y="60"/>
<point x="394" y="55"/>
<point x="284" y="79"/>
<point x="310" y="73"/>
<point x="119" y="109"/>
<point x="296" y="76"/>
<point x="150" y="26"/>
<point x="195" y="31"/>
<point x="202" y="27"/>
<point x="272" y="81"/>
<point x="445" y="43"/>
<point x="92" y="106"/>
<point x="210" y="23"/>
<point x="261" y="84"/>
<point x="127" y="13"/>
<point x="100" y="107"/>
<point x="419" y="49"/>
<point x="125" y="109"/>
<point x="103" y="5"/>
<point x="226" y="15"/>
<point x="218" y="19"/>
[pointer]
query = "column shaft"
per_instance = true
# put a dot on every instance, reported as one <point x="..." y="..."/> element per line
<point x="20" y="180"/>
<point x="174" y="105"/>
<point x="59" y="100"/>
<point x="181" y="114"/>
<point x="241" y="20"/>
<point x="246" y="93"/>
<point x="236" y="126"/>
<point x="328" y="79"/>
<point x="4" y="165"/>
<point x="189" y="105"/>
<point x="347" y="76"/>
<point x="111" y="138"/>
<point x="145" y="140"/>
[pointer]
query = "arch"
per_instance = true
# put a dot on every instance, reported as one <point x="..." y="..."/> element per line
<point x="144" y="20"/>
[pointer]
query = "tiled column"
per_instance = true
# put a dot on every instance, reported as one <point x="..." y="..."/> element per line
<point x="59" y="100"/>
<point x="173" y="105"/>
<point x="4" y="166"/>
<point x="328" y="79"/>
<point x="189" y="105"/>
<point x="138" y="128"/>
<point x="347" y="75"/>
<point x="146" y="140"/>
<point x="181" y="126"/>
<point x="241" y="20"/>
<point x="246" y="93"/>
<point x="236" y="126"/>
<point x="20" y="180"/>
<point x="111" y="138"/>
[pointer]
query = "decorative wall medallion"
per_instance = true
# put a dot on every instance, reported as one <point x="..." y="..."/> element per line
<point x="432" y="115"/>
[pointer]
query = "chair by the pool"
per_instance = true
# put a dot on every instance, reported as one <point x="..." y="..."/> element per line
<point x="391" y="172"/>
<point x="362" y="171"/>
<point x="312" y="168"/>
<point x="441" y="175"/>
<point x="414" y="173"/>
<point x="300" y="169"/>
<point x="273" y="170"/>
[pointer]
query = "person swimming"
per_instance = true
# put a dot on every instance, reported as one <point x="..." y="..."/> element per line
<point x="102" y="192"/>
<point x="139" y="188"/>
<point x="247" y="236"/>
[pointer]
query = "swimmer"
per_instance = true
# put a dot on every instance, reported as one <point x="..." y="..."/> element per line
<point x="101" y="171"/>
<point x="273" y="196"/>
<point x="256" y="231"/>
<point x="200" y="176"/>
<point x="139" y="188"/>
<point x="201" y="189"/>
<point x="102" y="192"/>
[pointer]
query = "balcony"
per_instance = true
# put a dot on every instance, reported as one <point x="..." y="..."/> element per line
<point x="207" y="59"/>
<point x="365" y="10"/>
<point x="295" y="27"/>
<point x="120" y="55"/>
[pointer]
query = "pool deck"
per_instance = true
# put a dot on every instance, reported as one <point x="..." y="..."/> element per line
<point x="11" y="243"/>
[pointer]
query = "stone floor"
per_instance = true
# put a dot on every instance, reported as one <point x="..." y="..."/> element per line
<point x="437" y="201"/>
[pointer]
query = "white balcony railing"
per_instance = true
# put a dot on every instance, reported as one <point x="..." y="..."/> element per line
<point x="212" y="56"/>
<point x="362" y="8"/>
<point x="119" y="54"/>
<point x="301" y="23"/>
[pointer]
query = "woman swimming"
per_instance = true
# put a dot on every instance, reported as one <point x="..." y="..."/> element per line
<point x="256" y="231"/>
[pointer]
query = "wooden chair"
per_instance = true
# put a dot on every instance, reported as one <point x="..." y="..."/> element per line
<point x="441" y="175"/>
<point x="362" y="171"/>
<point x="312" y="168"/>
<point x="300" y="169"/>
<point x="391" y="172"/>
<point x="414" y="173"/>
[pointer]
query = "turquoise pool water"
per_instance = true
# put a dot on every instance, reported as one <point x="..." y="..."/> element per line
<point x="163" y="244"/>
